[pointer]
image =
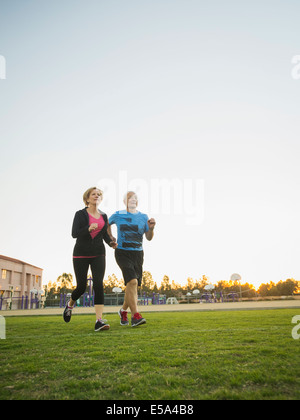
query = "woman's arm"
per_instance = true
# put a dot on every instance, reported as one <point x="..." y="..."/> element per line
<point x="80" y="227"/>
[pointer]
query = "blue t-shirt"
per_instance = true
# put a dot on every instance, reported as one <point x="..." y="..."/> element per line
<point x="131" y="227"/>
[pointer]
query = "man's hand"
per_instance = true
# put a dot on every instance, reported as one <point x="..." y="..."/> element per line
<point x="151" y="223"/>
<point x="113" y="243"/>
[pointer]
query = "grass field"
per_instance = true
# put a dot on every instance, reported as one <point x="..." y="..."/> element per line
<point x="175" y="356"/>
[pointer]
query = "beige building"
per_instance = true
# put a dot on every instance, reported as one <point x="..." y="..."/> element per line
<point x="18" y="280"/>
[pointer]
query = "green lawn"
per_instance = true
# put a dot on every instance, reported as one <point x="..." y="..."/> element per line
<point x="182" y="355"/>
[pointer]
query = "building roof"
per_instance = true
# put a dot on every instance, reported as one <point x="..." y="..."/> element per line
<point x="3" y="257"/>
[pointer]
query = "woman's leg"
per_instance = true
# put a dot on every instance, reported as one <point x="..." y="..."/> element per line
<point x="98" y="270"/>
<point x="81" y="266"/>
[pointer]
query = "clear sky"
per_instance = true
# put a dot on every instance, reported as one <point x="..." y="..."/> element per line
<point x="194" y="95"/>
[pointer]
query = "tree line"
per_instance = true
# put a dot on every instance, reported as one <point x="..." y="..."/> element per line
<point x="64" y="284"/>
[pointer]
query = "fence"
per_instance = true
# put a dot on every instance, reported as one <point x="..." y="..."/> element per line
<point x="216" y="297"/>
<point x="87" y="300"/>
<point x="111" y="300"/>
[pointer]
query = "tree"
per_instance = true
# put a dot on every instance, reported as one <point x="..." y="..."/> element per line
<point x="282" y="288"/>
<point x="50" y="290"/>
<point x="201" y="283"/>
<point x="165" y="286"/>
<point x="65" y="282"/>
<point x="147" y="282"/>
<point x="190" y="284"/>
<point x="288" y="287"/>
<point x="111" y="282"/>
<point x="155" y="288"/>
<point x="248" y="290"/>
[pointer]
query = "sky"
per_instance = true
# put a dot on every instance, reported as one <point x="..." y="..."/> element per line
<point x="195" y="105"/>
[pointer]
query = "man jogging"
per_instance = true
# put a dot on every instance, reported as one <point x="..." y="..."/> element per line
<point x="131" y="225"/>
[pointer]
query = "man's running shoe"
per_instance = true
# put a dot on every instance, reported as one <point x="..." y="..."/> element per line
<point x="67" y="313"/>
<point x="137" y="319"/>
<point x="123" y="317"/>
<point x="101" y="325"/>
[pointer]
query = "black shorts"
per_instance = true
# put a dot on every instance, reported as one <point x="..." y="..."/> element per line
<point x="131" y="264"/>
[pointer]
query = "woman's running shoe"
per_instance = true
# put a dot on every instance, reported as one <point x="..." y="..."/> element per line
<point x="68" y="313"/>
<point x="101" y="325"/>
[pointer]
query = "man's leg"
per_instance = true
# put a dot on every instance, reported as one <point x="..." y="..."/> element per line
<point x="130" y="300"/>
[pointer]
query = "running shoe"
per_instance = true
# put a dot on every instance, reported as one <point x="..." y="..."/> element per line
<point x="137" y="319"/>
<point x="67" y="313"/>
<point x="123" y="317"/>
<point x="101" y="325"/>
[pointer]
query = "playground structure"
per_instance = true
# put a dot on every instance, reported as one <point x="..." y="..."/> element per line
<point x="33" y="301"/>
<point x="154" y="299"/>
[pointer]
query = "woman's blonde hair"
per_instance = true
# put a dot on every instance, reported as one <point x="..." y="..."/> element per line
<point x="86" y="195"/>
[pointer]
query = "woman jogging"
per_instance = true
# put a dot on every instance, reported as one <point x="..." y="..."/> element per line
<point x="90" y="228"/>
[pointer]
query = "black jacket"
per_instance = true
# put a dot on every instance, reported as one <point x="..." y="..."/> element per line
<point x="85" y="244"/>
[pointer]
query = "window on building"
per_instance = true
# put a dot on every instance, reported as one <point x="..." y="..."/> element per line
<point x="4" y="272"/>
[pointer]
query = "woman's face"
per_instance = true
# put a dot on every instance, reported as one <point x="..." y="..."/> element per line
<point x="95" y="197"/>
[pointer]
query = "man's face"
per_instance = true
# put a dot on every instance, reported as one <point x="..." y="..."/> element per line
<point x="132" y="201"/>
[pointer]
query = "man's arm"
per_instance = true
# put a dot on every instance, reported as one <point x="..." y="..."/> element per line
<point x="113" y="241"/>
<point x="150" y="233"/>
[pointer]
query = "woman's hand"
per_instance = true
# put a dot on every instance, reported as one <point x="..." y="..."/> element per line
<point x="93" y="227"/>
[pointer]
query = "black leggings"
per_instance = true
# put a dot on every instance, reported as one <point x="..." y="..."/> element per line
<point x="81" y="266"/>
